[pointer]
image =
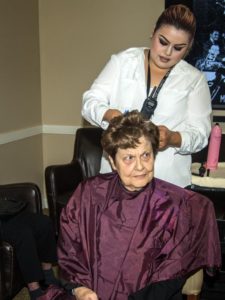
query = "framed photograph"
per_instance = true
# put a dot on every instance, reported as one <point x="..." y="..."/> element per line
<point x="208" y="51"/>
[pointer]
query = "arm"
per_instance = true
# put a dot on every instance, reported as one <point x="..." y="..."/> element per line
<point x="197" y="124"/>
<point x="72" y="248"/>
<point x="96" y="101"/>
<point x="194" y="232"/>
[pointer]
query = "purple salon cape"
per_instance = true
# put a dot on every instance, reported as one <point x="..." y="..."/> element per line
<point x="116" y="242"/>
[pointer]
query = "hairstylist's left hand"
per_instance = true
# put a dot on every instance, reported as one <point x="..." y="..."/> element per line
<point x="168" y="138"/>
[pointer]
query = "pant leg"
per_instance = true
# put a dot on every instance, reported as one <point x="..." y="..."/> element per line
<point x="22" y="239"/>
<point x="34" y="241"/>
<point x="45" y="238"/>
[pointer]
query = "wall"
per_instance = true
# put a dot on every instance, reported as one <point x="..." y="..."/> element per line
<point x="20" y="93"/>
<point x="76" y="40"/>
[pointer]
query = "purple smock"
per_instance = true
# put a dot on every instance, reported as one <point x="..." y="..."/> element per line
<point x="116" y="242"/>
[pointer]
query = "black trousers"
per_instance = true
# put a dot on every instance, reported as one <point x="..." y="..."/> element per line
<point x="33" y="239"/>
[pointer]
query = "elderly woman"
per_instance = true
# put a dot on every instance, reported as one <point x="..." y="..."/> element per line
<point x="127" y="234"/>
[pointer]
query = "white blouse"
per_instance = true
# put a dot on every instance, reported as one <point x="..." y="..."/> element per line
<point x="184" y="105"/>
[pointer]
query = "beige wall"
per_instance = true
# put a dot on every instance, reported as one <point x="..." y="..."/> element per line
<point x="20" y="93"/>
<point x="76" y="40"/>
<point x="20" y="65"/>
<point x="21" y="161"/>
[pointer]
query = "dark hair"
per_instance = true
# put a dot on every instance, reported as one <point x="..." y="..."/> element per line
<point x="178" y="16"/>
<point x="125" y="131"/>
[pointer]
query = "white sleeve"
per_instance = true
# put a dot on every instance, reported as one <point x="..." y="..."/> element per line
<point x="96" y="101"/>
<point x="197" y="126"/>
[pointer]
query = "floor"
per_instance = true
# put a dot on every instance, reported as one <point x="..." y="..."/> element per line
<point x="214" y="290"/>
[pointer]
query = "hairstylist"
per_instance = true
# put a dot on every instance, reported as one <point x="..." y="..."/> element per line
<point x="176" y="93"/>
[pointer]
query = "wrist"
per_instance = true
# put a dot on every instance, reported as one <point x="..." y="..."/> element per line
<point x="71" y="286"/>
<point x="73" y="291"/>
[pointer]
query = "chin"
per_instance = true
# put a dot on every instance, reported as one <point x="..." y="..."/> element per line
<point x="141" y="185"/>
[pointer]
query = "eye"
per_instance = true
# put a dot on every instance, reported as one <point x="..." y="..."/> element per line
<point x="146" y="156"/>
<point x="178" y="48"/>
<point x="163" y="42"/>
<point x="128" y="158"/>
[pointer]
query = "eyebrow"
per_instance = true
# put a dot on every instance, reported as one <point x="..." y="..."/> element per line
<point x="182" y="44"/>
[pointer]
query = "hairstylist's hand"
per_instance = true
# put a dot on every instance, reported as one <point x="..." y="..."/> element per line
<point x="168" y="138"/>
<point x="83" y="293"/>
<point x="110" y="114"/>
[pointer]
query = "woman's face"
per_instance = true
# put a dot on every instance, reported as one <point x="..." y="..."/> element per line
<point x="135" y="166"/>
<point x="169" y="45"/>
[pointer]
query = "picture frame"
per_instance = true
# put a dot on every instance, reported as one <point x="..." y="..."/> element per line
<point x="208" y="51"/>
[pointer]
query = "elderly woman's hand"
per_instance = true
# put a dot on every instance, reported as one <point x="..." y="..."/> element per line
<point x="168" y="138"/>
<point x="83" y="293"/>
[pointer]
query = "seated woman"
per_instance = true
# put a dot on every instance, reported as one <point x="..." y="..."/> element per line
<point x="127" y="234"/>
<point x="33" y="239"/>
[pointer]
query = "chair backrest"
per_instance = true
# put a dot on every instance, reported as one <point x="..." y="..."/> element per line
<point x="88" y="150"/>
<point x="28" y="192"/>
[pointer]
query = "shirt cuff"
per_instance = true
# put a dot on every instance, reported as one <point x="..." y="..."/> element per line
<point x="70" y="286"/>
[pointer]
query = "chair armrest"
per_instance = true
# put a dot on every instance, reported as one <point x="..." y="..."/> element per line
<point x="61" y="181"/>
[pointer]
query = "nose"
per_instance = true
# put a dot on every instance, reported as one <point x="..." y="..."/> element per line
<point x="139" y="165"/>
<point x="169" y="50"/>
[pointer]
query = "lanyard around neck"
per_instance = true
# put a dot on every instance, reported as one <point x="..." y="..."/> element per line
<point x="156" y="90"/>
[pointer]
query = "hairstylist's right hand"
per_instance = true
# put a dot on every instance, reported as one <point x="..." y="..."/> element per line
<point x="110" y="114"/>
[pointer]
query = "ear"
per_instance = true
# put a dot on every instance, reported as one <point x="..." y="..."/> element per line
<point x="112" y="163"/>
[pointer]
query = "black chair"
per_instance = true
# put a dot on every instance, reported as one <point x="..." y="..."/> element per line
<point x="61" y="180"/>
<point x="11" y="281"/>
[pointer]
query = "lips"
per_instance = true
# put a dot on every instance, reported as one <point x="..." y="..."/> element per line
<point x="164" y="59"/>
<point x="140" y="176"/>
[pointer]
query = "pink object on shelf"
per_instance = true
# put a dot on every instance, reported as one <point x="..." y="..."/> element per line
<point x="214" y="147"/>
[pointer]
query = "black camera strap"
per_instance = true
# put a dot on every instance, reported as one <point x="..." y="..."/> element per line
<point x="150" y="102"/>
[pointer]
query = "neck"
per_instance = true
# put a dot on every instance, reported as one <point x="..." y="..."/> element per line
<point x="156" y="70"/>
<point x="157" y="74"/>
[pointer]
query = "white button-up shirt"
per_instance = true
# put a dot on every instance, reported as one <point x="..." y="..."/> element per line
<point x="184" y="105"/>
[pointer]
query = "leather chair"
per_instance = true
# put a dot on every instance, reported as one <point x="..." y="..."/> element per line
<point x="61" y="181"/>
<point x="11" y="281"/>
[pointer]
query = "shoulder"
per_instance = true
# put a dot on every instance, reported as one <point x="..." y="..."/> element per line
<point x="95" y="188"/>
<point x="129" y="54"/>
<point x="98" y="180"/>
<point x="175" y="192"/>
<point x="188" y="75"/>
<point x="186" y="68"/>
<point x="180" y="195"/>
